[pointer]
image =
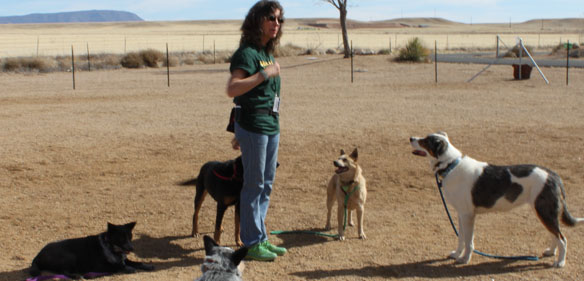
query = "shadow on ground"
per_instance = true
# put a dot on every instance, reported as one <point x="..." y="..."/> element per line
<point x="302" y="238"/>
<point x="166" y="249"/>
<point x="440" y="268"/>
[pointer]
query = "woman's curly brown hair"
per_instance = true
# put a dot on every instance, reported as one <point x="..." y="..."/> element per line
<point x="252" y="25"/>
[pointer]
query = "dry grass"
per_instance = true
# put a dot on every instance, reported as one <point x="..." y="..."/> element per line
<point x="199" y="36"/>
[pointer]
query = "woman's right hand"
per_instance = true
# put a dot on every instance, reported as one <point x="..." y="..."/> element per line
<point x="273" y="70"/>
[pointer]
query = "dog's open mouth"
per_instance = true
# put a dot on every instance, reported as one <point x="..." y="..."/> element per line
<point x="419" y="153"/>
<point x="341" y="170"/>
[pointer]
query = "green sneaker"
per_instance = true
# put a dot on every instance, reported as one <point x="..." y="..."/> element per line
<point x="280" y="251"/>
<point x="259" y="252"/>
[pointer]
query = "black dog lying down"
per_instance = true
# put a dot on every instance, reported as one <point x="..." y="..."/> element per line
<point x="102" y="253"/>
<point x="223" y="180"/>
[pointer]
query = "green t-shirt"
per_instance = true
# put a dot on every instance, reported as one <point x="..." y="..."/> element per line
<point x="251" y="60"/>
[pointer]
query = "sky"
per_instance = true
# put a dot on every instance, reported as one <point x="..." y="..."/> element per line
<point x="465" y="11"/>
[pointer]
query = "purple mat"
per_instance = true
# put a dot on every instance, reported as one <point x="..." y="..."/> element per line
<point x="89" y="275"/>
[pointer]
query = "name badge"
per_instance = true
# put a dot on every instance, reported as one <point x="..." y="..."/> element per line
<point x="276" y="107"/>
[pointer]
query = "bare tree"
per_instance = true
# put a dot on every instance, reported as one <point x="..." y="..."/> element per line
<point x="341" y="5"/>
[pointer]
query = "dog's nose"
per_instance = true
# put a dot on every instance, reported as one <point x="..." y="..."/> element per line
<point x="412" y="139"/>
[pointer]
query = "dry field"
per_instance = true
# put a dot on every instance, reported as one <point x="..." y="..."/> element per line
<point x="114" y="149"/>
<point x="196" y="36"/>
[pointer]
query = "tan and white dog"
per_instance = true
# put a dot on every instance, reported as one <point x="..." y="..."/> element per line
<point x="348" y="187"/>
<point x="475" y="187"/>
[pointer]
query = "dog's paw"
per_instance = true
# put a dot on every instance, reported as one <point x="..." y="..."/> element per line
<point x="549" y="252"/>
<point x="351" y="223"/>
<point x="560" y="264"/>
<point x="362" y="236"/>
<point x="195" y="234"/>
<point x="341" y="237"/>
<point x="147" y="267"/>
<point x="238" y="243"/>
<point x="453" y="255"/>
<point x="463" y="260"/>
<point x="129" y="269"/>
<point x="328" y="226"/>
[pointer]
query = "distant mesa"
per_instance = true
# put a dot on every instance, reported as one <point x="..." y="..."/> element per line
<point x="79" y="16"/>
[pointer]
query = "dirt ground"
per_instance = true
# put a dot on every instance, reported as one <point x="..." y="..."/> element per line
<point x="113" y="150"/>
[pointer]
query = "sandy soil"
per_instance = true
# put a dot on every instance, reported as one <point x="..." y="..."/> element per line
<point x="114" y="149"/>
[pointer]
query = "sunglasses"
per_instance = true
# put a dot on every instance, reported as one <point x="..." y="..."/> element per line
<point x="273" y="18"/>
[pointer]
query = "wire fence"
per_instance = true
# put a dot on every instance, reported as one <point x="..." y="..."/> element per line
<point x="59" y="44"/>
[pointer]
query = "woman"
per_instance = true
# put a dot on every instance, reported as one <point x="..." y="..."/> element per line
<point x="255" y="86"/>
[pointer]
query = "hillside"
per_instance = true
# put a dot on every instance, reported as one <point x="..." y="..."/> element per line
<point x="79" y="16"/>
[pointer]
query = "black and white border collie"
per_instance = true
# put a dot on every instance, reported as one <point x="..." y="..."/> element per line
<point x="475" y="187"/>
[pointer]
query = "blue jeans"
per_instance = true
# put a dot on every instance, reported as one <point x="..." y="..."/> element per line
<point x="259" y="154"/>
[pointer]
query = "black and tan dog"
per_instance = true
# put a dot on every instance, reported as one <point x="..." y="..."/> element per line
<point x="348" y="188"/>
<point x="474" y="187"/>
<point x="223" y="180"/>
<point x="104" y="253"/>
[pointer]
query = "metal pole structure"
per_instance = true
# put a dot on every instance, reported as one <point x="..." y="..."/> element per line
<point x="88" y="59"/>
<point x="436" y="61"/>
<point x="533" y="61"/>
<point x="73" y="66"/>
<point x="567" y="62"/>
<point x="351" y="61"/>
<point x="167" y="67"/>
<point x="520" y="58"/>
<point x="497" y="54"/>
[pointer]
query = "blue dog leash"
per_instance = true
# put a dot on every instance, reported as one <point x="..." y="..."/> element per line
<point x="439" y="183"/>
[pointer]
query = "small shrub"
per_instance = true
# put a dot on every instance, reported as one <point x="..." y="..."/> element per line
<point x="220" y="57"/>
<point x="63" y="63"/>
<point x="384" y="52"/>
<point x="363" y="52"/>
<point x="172" y="61"/>
<point x="152" y="58"/>
<point x="289" y="50"/>
<point x="331" y="52"/>
<point x="36" y="64"/>
<point x="561" y="49"/>
<point x="514" y="53"/>
<point x="313" y="52"/>
<point x="132" y="60"/>
<point x="11" y="64"/>
<point x="40" y="64"/>
<point x="414" y="52"/>
<point x="107" y="61"/>
<point x="189" y="61"/>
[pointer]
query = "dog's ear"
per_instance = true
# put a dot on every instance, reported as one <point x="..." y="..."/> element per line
<point x="209" y="244"/>
<point x="130" y="226"/>
<point x="355" y="154"/>
<point x="238" y="255"/>
<point x="442" y="133"/>
<point x="342" y="152"/>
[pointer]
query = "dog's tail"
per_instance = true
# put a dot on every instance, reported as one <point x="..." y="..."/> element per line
<point x="568" y="219"/>
<point x="188" y="182"/>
